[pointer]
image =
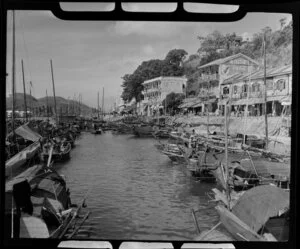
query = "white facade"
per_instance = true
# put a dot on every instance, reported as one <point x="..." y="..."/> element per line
<point x="156" y="90"/>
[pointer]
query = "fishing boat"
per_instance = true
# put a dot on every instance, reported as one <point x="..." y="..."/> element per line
<point x="143" y="130"/>
<point x="38" y="205"/>
<point x="18" y="162"/>
<point x="258" y="214"/>
<point x="97" y="131"/>
<point x="61" y="152"/>
<point x="173" y="152"/>
<point x="161" y="133"/>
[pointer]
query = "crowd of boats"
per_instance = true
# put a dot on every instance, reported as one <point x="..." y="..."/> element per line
<point x="37" y="200"/>
<point x="252" y="197"/>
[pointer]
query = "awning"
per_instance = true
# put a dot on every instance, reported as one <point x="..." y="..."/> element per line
<point x="253" y="101"/>
<point x="277" y="98"/>
<point x="186" y="105"/>
<point x="199" y="104"/>
<point x="240" y="102"/>
<point x="286" y="102"/>
<point x="209" y="100"/>
<point x="28" y="134"/>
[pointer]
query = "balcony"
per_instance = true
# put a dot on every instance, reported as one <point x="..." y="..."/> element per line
<point x="210" y="77"/>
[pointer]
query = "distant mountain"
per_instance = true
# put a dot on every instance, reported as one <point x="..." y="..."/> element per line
<point x="62" y="104"/>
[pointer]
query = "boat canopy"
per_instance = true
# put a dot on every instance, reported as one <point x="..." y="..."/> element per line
<point x="260" y="203"/>
<point x="28" y="134"/>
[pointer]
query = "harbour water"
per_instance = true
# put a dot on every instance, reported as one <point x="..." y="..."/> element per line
<point x="134" y="192"/>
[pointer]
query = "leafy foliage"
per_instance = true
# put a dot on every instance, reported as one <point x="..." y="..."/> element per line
<point x="173" y="100"/>
<point x="172" y="65"/>
<point x="216" y="45"/>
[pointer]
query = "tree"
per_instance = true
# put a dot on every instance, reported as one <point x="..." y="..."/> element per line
<point x="282" y="22"/>
<point x="193" y="57"/>
<point x="173" y="100"/>
<point x="132" y="83"/>
<point x="176" y="57"/>
<point x="172" y="65"/>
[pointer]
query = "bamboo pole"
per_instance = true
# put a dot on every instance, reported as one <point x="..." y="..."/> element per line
<point x="56" y="114"/>
<point x="103" y="103"/>
<point x="195" y="221"/>
<point x="265" y="93"/>
<point x="31" y="105"/>
<point x="247" y="106"/>
<point x="24" y="89"/>
<point x="13" y="76"/>
<point x="13" y="107"/>
<point x="47" y="105"/>
<point x="226" y="156"/>
<point x="98" y="106"/>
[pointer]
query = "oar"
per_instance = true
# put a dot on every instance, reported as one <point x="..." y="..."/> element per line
<point x="77" y="228"/>
<point x="195" y="221"/>
<point x="75" y="213"/>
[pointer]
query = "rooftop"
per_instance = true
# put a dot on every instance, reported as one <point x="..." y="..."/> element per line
<point x="228" y="58"/>
<point x="270" y="72"/>
<point x="164" y="77"/>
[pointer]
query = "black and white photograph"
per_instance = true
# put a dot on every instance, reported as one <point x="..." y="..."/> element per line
<point x="148" y="130"/>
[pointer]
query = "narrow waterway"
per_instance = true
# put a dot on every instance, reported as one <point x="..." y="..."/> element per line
<point x="135" y="191"/>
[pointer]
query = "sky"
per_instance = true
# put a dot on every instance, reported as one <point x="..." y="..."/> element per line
<point x="88" y="56"/>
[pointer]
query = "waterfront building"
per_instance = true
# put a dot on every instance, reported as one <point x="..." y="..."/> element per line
<point x="156" y="90"/>
<point x="246" y="92"/>
<point x="213" y="74"/>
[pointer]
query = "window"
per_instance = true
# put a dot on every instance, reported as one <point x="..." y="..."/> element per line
<point x="225" y="90"/>
<point x="269" y="84"/>
<point x="235" y="89"/>
<point x="255" y="87"/>
<point x="280" y="85"/>
<point x="245" y="88"/>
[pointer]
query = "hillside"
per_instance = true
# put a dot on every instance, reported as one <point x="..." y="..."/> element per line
<point x="41" y="103"/>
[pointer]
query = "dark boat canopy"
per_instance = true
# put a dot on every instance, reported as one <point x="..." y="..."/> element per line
<point x="257" y="205"/>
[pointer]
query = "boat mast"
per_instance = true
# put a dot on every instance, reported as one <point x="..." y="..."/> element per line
<point x="226" y="155"/>
<point x="53" y="91"/>
<point x="47" y="105"/>
<point x="13" y="76"/>
<point x="13" y="107"/>
<point x="98" y="105"/>
<point x="247" y="105"/>
<point x="80" y="103"/>
<point x="24" y="88"/>
<point x="103" y="103"/>
<point x="31" y="105"/>
<point x="265" y="93"/>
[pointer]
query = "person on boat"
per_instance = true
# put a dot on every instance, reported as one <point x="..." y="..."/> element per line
<point x="192" y="140"/>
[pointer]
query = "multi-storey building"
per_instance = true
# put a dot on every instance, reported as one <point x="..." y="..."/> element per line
<point x="213" y="74"/>
<point x="156" y="90"/>
<point x="247" y="90"/>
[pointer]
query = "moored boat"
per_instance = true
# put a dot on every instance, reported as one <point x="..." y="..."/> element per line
<point x="38" y="205"/>
<point x="143" y="130"/>
<point x="60" y="152"/>
<point x="256" y="215"/>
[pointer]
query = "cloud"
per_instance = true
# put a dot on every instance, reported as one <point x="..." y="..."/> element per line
<point x="148" y="50"/>
<point x="151" y="29"/>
